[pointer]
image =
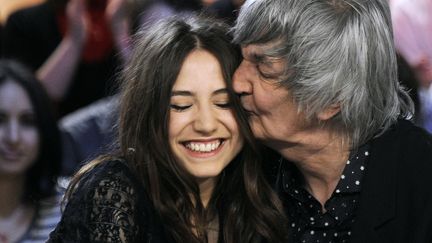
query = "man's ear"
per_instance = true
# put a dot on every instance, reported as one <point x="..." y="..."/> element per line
<point x="329" y="112"/>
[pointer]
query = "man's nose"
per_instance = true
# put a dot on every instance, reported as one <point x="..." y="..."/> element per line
<point x="241" y="78"/>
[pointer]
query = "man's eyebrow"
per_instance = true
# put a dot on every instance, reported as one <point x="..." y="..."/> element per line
<point x="254" y="57"/>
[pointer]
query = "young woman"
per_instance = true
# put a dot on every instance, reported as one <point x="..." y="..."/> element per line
<point x="29" y="158"/>
<point x="187" y="169"/>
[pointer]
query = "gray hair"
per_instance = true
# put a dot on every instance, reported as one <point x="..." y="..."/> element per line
<point x="336" y="52"/>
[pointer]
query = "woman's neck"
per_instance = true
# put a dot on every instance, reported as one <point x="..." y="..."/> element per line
<point x="15" y="216"/>
<point x="12" y="186"/>
<point x="206" y="187"/>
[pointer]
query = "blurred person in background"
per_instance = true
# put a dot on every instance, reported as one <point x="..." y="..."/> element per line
<point x="30" y="156"/>
<point x="412" y="25"/>
<point x="225" y="9"/>
<point x="75" y="46"/>
<point x="7" y="7"/>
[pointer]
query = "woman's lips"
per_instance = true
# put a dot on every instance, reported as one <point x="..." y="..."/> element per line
<point x="10" y="155"/>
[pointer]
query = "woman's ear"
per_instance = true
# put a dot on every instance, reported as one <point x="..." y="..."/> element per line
<point x="329" y="112"/>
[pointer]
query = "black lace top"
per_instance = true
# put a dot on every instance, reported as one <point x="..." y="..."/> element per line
<point x="109" y="205"/>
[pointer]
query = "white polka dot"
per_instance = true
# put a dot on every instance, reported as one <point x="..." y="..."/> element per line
<point x="349" y="232"/>
<point x="312" y="232"/>
<point x="366" y="153"/>
<point x="361" y="167"/>
<point x="296" y="191"/>
<point x="312" y="219"/>
<point x="348" y="162"/>
<point x="343" y="176"/>
<point x="347" y="187"/>
<point x="352" y="172"/>
<point x="337" y="191"/>
<point x="324" y="234"/>
<point x="286" y="185"/>
<point x="293" y="225"/>
<point x="357" y="183"/>
<point x="326" y="224"/>
<point x="335" y="234"/>
<point x="337" y="218"/>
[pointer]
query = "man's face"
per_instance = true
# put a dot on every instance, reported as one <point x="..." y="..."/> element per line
<point x="274" y="116"/>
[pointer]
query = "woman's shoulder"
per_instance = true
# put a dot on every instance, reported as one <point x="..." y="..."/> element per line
<point x="106" y="205"/>
<point x="110" y="181"/>
<point x="113" y="173"/>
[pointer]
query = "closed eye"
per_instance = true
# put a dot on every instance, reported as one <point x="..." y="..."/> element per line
<point x="180" y="107"/>
<point x="224" y="105"/>
<point x="265" y="75"/>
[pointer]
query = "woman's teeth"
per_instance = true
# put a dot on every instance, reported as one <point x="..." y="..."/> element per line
<point x="203" y="147"/>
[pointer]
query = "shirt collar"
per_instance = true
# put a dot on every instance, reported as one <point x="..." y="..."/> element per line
<point x="293" y="181"/>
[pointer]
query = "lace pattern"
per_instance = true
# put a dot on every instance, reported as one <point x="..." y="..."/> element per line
<point x="104" y="208"/>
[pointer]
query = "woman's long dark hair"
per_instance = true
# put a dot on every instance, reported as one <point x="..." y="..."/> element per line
<point x="250" y="211"/>
<point x="41" y="177"/>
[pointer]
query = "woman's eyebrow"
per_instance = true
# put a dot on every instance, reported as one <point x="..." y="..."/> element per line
<point x="181" y="93"/>
<point x="220" y="91"/>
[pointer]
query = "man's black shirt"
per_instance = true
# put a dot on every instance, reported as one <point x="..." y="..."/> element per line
<point x="308" y="222"/>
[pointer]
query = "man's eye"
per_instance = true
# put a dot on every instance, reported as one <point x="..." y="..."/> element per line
<point x="263" y="74"/>
<point x="179" y="107"/>
<point x="267" y="71"/>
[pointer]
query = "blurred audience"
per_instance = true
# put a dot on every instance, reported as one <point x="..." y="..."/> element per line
<point x="9" y="6"/>
<point x="412" y="24"/>
<point x="74" y="46"/>
<point x="30" y="154"/>
<point x="225" y="9"/>
<point x="88" y="132"/>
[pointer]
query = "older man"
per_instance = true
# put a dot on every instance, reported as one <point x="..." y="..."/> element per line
<point x="319" y="80"/>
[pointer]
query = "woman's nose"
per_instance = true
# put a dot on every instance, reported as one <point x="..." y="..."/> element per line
<point x="205" y="122"/>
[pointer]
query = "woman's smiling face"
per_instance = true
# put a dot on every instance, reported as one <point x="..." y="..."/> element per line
<point x="203" y="132"/>
<point x="19" y="136"/>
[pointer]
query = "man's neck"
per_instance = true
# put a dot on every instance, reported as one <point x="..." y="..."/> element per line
<point x="321" y="163"/>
